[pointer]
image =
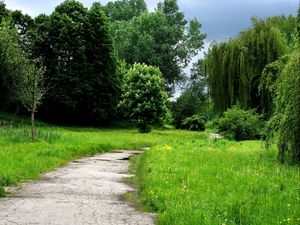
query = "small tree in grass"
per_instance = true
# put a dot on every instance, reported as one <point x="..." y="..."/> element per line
<point x="32" y="91"/>
<point x="144" y="99"/>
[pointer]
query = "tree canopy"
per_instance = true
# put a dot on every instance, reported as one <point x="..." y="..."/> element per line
<point x="163" y="38"/>
<point x="124" y="10"/>
<point x="234" y="67"/>
<point x="77" y="51"/>
<point x="144" y="99"/>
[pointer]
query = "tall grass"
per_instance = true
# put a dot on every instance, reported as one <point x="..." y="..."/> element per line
<point x="196" y="181"/>
<point x="186" y="178"/>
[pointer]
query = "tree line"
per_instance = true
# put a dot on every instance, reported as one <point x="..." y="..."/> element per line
<point x="82" y="49"/>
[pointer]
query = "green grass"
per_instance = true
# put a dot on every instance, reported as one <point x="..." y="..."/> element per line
<point x="186" y="178"/>
<point x="193" y="180"/>
<point x="21" y="159"/>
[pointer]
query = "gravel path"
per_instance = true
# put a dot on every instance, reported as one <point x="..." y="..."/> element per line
<point x="86" y="191"/>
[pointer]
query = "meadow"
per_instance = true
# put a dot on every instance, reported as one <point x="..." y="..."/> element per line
<point x="186" y="177"/>
<point x="193" y="180"/>
<point x="21" y="159"/>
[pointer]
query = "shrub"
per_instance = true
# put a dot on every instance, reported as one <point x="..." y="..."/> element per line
<point x="194" y="123"/>
<point x="240" y="124"/>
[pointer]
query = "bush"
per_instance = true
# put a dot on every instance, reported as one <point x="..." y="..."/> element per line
<point x="240" y="124"/>
<point x="194" y="123"/>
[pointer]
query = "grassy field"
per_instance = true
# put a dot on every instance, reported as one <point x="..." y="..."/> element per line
<point x="196" y="181"/>
<point x="186" y="178"/>
<point x="21" y="159"/>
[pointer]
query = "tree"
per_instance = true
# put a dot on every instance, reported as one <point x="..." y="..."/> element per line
<point x="23" y="24"/>
<point x="33" y="90"/>
<point x="144" y="99"/>
<point x="12" y="59"/>
<point x="124" y="10"/>
<point x="198" y="80"/>
<point x="78" y="53"/>
<point x="162" y="38"/>
<point x="187" y="105"/>
<point x="21" y="82"/>
<point x="193" y="99"/>
<point x="235" y="67"/>
<point x="286" y="116"/>
<point x="3" y="11"/>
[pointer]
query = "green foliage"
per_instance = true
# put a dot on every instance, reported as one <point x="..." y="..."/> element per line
<point x="193" y="180"/>
<point x="187" y="105"/>
<point x="194" y="98"/>
<point x="32" y="86"/>
<point x="24" y="25"/>
<point x="286" y="118"/>
<point x="234" y="67"/>
<point x="3" y="11"/>
<point x="144" y="99"/>
<point x="78" y="53"/>
<point x="240" y="124"/>
<point x="162" y="38"/>
<point x="124" y="10"/>
<point x="194" y="123"/>
<point x="15" y="69"/>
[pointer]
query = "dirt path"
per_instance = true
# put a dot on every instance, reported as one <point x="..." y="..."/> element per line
<point x="86" y="191"/>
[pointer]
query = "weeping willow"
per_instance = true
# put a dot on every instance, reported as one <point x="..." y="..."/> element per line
<point x="234" y="67"/>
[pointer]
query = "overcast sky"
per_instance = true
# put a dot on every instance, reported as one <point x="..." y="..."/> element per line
<point x="220" y="19"/>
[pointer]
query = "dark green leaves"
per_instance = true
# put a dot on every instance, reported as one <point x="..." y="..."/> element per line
<point x="78" y="53"/>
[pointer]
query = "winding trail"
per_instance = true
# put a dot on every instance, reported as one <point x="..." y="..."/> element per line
<point x="85" y="191"/>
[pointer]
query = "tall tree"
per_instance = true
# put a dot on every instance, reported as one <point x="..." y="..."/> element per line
<point x="286" y="118"/>
<point x="3" y="11"/>
<point x="234" y="67"/>
<point x="162" y="38"/>
<point x="24" y="25"/>
<point x="12" y="60"/>
<point x="77" y="50"/>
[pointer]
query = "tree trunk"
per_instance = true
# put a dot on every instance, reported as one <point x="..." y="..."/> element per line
<point x="32" y="125"/>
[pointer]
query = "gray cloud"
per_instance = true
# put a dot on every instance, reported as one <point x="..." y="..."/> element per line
<point x="220" y="19"/>
<point x="223" y="19"/>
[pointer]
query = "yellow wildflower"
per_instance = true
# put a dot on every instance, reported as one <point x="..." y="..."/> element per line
<point x="167" y="147"/>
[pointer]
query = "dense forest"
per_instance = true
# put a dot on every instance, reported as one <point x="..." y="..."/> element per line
<point x="119" y="61"/>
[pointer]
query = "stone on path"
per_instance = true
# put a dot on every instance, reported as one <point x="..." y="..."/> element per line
<point x="86" y="191"/>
